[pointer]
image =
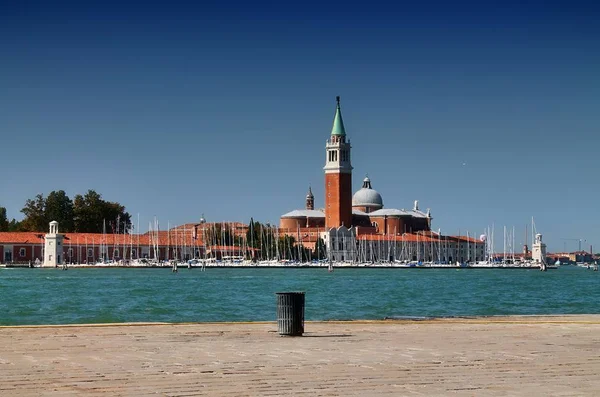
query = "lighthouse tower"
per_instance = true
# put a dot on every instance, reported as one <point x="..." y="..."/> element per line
<point x="53" y="247"/>
<point x="338" y="175"/>
<point x="538" y="250"/>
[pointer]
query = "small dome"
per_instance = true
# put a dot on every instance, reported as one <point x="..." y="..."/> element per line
<point x="367" y="196"/>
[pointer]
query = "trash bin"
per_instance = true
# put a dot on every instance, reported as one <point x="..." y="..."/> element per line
<point x="290" y="313"/>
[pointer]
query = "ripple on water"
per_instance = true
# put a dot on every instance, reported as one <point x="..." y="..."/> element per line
<point x="50" y="296"/>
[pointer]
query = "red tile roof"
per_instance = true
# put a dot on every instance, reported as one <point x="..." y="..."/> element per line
<point x="21" y="238"/>
<point x="465" y="239"/>
<point x="164" y="238"/>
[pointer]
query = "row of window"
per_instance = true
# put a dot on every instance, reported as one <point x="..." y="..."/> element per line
<point x="23" y="252"/>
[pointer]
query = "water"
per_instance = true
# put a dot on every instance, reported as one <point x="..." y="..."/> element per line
<point x="51" y="296"/>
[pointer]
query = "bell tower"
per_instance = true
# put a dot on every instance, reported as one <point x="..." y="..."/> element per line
<point x="338" y="175"/>
<point x="310" y="200"/>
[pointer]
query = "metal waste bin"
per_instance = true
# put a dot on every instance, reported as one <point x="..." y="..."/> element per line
<point x="290" y="313"/>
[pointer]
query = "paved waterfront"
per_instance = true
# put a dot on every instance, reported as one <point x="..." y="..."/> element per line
<point x="509" y="356"/>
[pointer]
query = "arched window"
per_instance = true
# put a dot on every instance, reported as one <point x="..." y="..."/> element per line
<point x="375" y="225"/>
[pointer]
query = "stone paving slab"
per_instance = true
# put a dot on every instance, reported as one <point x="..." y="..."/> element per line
<point x="499" y="356"/>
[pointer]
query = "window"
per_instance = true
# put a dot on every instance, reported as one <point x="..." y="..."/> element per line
<point x="133" y="253"/>
<point x="70" y="252"/>
<point x="22" y="252"/>
<point x="90" y="252"/>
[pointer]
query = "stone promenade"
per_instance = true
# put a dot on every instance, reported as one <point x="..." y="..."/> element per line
<point x="504" y="356"/>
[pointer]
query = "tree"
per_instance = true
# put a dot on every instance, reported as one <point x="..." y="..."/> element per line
<point x="3" y="220"/>
<point x="91" y="213"/>
<point x="35" y="214"/>
<point x="59" y="207"/>
<point x="320" y="252"/>
<point x="15" y="226"/>
<point x="8" y="226"/>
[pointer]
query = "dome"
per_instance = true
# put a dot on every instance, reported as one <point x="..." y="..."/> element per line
<point x="367" y="196"/>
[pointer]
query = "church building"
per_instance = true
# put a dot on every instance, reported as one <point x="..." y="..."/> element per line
<point x="364" y="210"/>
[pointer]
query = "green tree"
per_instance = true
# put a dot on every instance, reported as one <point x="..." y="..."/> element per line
<point x="91" y="212"/>
<point x="15" y="226"/>
<point x="319" y="252"/>
<point x="4" y="224"/>
<point x="35" y="214"/>
<point x="59" y="207"/>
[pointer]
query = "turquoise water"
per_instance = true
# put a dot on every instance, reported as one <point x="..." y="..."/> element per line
<point x="51" y="296"/>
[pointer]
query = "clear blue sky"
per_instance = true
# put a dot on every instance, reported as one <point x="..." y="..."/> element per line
<point x="176" y="110"/>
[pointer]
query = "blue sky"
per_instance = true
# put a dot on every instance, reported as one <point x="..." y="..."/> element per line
<point x="176" y="110"/>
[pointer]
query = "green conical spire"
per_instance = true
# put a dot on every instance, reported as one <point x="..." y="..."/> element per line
<point x="338" y="123"/>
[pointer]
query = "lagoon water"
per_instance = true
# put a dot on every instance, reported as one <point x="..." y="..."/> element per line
<point x="52" y="296"/>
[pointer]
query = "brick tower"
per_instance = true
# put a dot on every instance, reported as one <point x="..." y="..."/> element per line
<point x="338" y="175"/>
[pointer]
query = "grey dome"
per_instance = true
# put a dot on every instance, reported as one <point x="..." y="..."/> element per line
<point x="367" y="196"/>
